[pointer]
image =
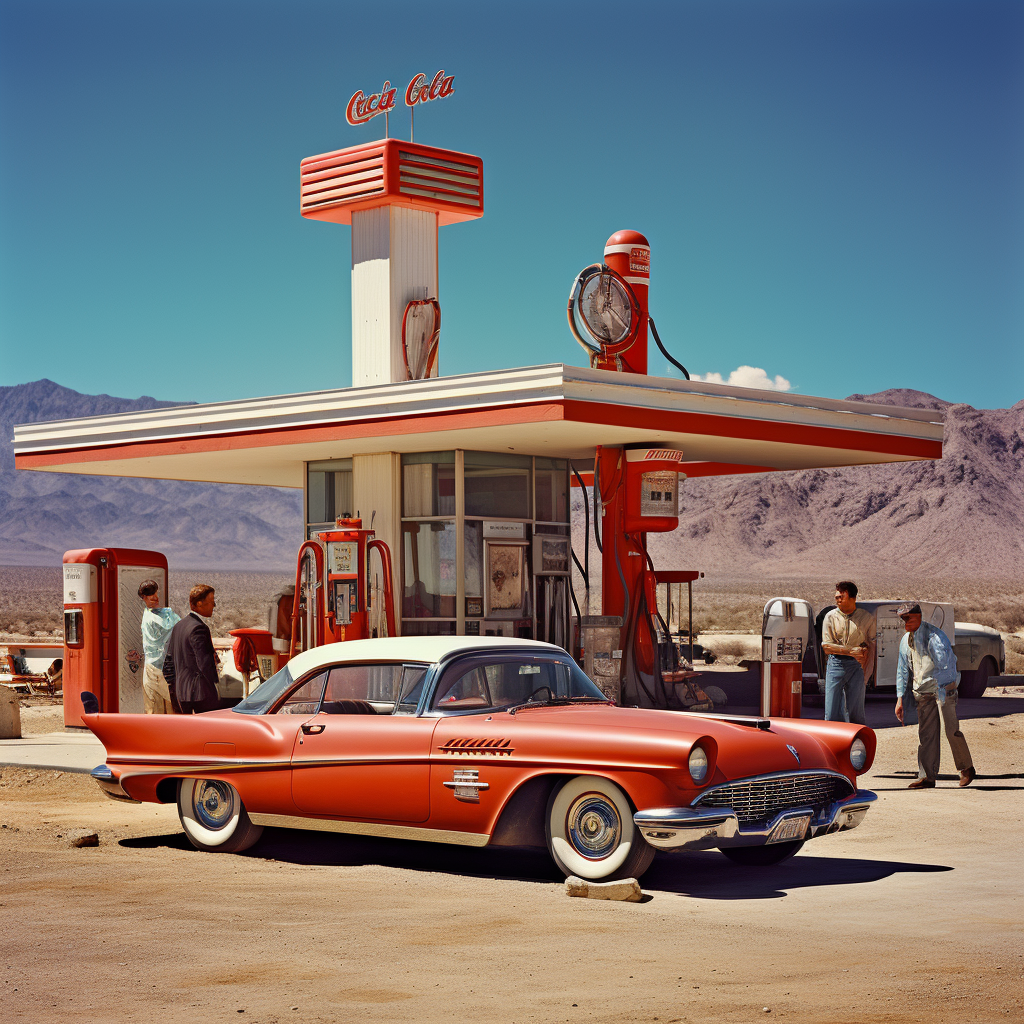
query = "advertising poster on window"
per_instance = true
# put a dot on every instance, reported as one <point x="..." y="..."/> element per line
<point x="505" y="580"/>
<point x="131" y="661"/>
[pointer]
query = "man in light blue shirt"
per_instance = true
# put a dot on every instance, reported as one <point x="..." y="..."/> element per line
<point x="927" y="657"/>
<point x="157" y="624"/>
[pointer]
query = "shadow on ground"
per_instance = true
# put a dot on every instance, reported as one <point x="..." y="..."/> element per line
<point x="710" y="876"/>
<point x="982" y="782"/>
<point x="699" y="875"/>
<point x="299" y="846"/>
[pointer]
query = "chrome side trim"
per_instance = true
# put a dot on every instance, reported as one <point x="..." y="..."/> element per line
<point x="110" y="785"/>
<point x="761" y="723"/>
<point x="369" y="828"/>
<point x="705" y="828"/>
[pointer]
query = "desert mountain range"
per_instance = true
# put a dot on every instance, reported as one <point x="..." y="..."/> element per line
<point x="962" y="515"/>
<point x="215" y="526"/>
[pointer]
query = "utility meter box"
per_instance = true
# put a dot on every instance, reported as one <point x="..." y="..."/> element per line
<point x="786" y="627"/>
<point x="652" y="489"/>
<point x="103" y="627"/>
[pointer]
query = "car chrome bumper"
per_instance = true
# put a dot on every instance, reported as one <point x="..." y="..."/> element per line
<point x="107" y="781"/>
<point x="704" y="828"/>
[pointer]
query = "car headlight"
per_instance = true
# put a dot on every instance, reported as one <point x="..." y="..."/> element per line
<point x="858" y="754"/>
<point x="698" y="764"/>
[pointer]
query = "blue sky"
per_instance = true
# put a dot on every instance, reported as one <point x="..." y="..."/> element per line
<point x="832" y="190"/>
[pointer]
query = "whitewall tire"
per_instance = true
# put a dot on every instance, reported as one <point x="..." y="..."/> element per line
<point x="213" y="816"/>
<point x="591" y="834"/>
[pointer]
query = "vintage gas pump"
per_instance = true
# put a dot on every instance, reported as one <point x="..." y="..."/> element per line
<point x="256" y="657"/>
<point x="103" y="627"/>
<point x="609" y="300"/>
<point x="787" y="623"/>
<point x="338" y="595"/>
<point x="628" y="649"/>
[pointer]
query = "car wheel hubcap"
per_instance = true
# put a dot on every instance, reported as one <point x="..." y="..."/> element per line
<point x="213" y="804"/>
<point x="594" y="826"/>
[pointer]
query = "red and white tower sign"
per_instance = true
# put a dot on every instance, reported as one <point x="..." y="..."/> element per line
<point x="395" y="195"/>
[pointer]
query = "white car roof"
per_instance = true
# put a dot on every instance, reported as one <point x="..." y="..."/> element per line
<point x="977" y="627"/>
<point x="406" y="648"/>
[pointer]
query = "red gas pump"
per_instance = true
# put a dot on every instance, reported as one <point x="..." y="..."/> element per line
<point x="787" y="624"/>
<point x="609" y="300"/>
<point x="639" y="491"/>
<point x="638" y="485"/>
<point x="334" y="595"/>
<point x="103" y="627"/>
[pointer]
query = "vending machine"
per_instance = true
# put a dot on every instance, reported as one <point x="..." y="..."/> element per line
<point x="103" y="627"/>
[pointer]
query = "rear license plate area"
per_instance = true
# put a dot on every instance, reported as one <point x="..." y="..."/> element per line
<point x="789" y="829"/>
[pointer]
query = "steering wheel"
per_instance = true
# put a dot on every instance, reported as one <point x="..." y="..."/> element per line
<point x="551" y="696"/>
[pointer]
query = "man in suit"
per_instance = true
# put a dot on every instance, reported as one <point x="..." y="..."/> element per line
<point x="190" y="665"/>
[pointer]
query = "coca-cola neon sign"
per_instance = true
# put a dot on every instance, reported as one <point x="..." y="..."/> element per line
<point x="418" y="91"/>
<point x="362" y="108"/>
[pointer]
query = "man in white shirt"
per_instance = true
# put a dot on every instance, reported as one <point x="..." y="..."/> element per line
<point x="848" y="638"/>
<point x="157" y="623"/>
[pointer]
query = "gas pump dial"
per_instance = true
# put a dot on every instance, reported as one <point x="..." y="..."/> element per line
<point x="605" y="305"/>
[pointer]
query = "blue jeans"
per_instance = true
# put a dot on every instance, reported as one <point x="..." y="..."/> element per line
<point x="844" y="690"/>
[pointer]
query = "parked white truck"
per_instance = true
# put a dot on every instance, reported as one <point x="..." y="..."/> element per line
<point x="980" y="650"/>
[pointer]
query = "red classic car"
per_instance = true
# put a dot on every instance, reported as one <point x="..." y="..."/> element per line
<point x="487" y="741"/>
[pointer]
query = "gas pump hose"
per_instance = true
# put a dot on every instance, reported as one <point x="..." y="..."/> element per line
<point x="642" y="610"/>
<point x="664" y="351"/>
<point x="585" y="568"/>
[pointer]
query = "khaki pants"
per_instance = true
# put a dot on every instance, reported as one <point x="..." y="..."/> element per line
<point x="155" y="694"/>
<point x="928" y="712"/>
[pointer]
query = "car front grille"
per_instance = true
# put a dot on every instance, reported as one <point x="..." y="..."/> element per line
<point x="759" y="799"/>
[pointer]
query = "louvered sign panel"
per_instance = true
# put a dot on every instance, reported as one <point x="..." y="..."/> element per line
<point x="456" y="182"/>
<point x="392" y="172"/>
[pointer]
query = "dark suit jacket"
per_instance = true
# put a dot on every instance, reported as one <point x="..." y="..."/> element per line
<point x="190" y="665"/>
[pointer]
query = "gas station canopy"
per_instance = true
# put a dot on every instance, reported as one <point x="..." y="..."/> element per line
<point x="555" y="410"/>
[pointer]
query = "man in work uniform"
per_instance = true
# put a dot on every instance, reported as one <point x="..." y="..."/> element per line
<point x="190" y="666"/>
<point x="848" y="638"/>
<point x="926" y="652"/>
<point x="157" y="623"/>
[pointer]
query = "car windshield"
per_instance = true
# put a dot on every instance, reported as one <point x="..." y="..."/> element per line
<point x="266" y="694"/>
<point x="492" y="682"/>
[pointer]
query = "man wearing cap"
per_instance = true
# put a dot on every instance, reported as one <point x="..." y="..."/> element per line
<point x="848" y="638"/>
<point x="157" y="623"/>
<point x="926" y="653"/>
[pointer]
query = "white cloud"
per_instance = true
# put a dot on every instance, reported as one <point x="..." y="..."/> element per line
<point x="746" y="377"/>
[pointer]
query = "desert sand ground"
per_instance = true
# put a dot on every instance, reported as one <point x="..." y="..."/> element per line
<point x="914" y="916"/>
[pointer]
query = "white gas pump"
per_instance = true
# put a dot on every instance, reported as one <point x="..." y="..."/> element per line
<point x="785" y="630"/>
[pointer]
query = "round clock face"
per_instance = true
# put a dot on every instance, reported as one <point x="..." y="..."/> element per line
<point x="605" y="309"/>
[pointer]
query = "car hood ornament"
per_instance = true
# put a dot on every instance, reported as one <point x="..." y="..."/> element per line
<point x="792" y="750"/>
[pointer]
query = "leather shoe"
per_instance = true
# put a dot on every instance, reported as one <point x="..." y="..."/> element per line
<point x="922" y="784"/>
<point x="967" y="776"/>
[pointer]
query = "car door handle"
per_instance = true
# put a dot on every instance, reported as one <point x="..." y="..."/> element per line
<point x="313" y="730"/>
